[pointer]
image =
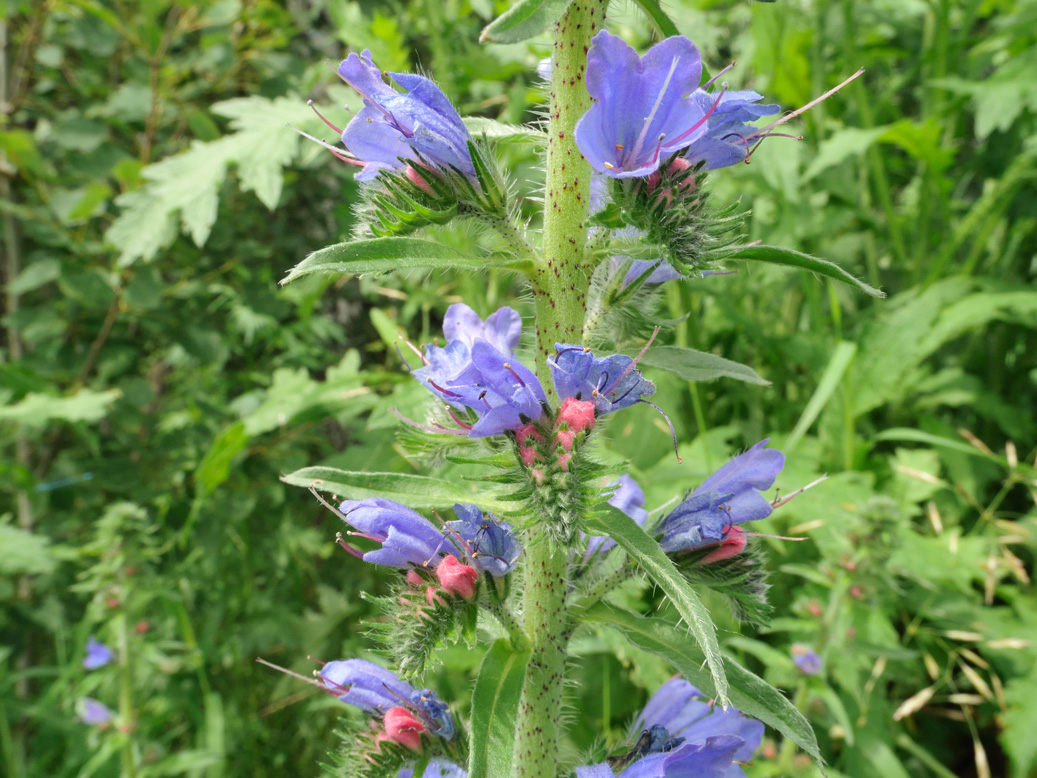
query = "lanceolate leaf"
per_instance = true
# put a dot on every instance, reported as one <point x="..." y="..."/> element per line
<point x="524" y="20"/>
<point x="749" y="693"/>
<point x="694" y="365"/>
<point x="380" y="255"/>
<point x="662" y="23"/>
<point x="647" y="553"/>
<point x="782" y="256"/>
<point x="494" y="710"/>
<point x="495" y="130"/>
<point x="414" y="491"/>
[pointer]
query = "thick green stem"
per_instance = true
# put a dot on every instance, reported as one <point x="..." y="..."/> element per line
<point x="560" y="291"/>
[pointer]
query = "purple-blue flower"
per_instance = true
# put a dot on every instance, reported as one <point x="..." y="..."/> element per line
<point x="630" y="499"/>
<point x="490" y="544"/>
<point x="97" y="654"/>
<point x="611" y="383"/>
<point x="477" y="370"/>
<point x="729" y="497"/>
<point x="407" y="539"/>
<point x="680" y="735"/>
<point x="437" y="768"/>
<point x="93" y="712"/>
<point x="418" y="124"/>
<point x="729" y="135"/>
<point x="435" y="712"/>
<point x="643" y="110"/>
<point x="805" y="659"/>
<point x="365" y="685"/>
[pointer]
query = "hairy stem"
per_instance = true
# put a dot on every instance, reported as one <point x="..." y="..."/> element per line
<point x="560" y="291"/>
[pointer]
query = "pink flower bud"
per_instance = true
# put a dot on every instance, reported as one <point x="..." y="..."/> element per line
<point x="564" y="438"/>
<point x="432" y="596"/>
<point x="563" y="461"/>
<point x="525" y="432"/>
<point x="528" y="455"/>
<point x="413" y="578"/>
<point x="403" y="727"/>
<point x="731" y="545"/>
<point x="417" y="180"/>
<point x="457" y="578"/>
<point x="577" y="414"/>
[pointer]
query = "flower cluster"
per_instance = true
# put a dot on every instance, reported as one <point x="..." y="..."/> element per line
<point x="405" y="713"/>
<point x="680" y="734"/>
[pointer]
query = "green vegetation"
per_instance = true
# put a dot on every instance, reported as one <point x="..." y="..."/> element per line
<point x="156" y="380"/>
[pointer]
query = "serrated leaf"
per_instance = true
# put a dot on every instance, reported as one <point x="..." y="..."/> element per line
<point x="495" y="130"/>
<point x="748" y="693"/>
<point x="692" y="365"/>
<point x="658" y="18"/>
<point x="791" y="258"/>
<point x="494" y="710"/>
<point x="35" y="410"/>
<point x="524" y="20"/>
<point x="644" y="550"/>
<point x="24" y="552"/>
<point x="381" y="255"/>
<point x="414" y="491"/>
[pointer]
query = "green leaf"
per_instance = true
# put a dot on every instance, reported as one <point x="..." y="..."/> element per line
<point x="643" y="549"/>
<point x="1020" y="722"/>
<point x="214" y="468"/>
<point x="414" y="491"/>
<point x="791" y="258"/>
<point x="35" y="410"/>
<point x="658" y="18"/>
<point x="833" y="375"/>
<point x="495" y="130"/>
<point x="749" y="693"/>
<point x="381" y="255"/>
<point x="494" y="710"/>
<point x="524" y="20"/>
<point x="692" y="365"/>
<point x="24" y="552"/>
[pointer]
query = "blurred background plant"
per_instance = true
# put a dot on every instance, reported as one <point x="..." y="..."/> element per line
<point x="155" y="380"/>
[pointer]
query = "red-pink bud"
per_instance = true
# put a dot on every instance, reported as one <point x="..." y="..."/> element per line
<point x="413" y="578"/>
<point x="577" y="414"/>
<point x="563" y="461"/>
<point x="528" y="455"/>
<point x="403" y="727"/>
<point x="732" y="544"/>
<point x="432" y="596"/>
<point x="417" y="180"/>
<point x="457" y="578"/>
<point x="525" y="432"/>
<point x="564" y="438"/>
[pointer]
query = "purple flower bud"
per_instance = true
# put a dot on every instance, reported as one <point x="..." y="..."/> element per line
<point x="491" y="544"/>
<point x="641" y="112"/>
<point x="407" y="539"/>
<point x="662" y="271"/>
<point x="611" y="383"/>
<point x="97" y="654"/>
<point x="805" y="659"/>
<point x="419" y="124"/>
<point x="365" y="685"/>
<point x="630" y="499"/>
<point x="729" y="136"/>
<point x="728" y="497"/>
<point x="93" y="712"/>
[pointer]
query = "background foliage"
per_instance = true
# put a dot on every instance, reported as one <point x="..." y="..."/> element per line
<point x="155" y="380"/>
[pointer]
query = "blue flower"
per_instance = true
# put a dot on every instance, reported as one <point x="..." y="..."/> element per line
<point x="729" y="497"/>
<point x="642" y="110"/>
<point x="435" y="712"/>
<point x="419" y="124"/>
<point x="477" y="370"/>
<point x="407" y="539"/>
<point x="365" y="685"/>
<point x="679" y="735"/>
<point x="630" y="499"/>
<point x="611" y="383"/>
<point x="662" y="271"/>
<point x="491" y="544"/>
<point x="729" y="136"/>
<point x="805" y="659"/>
<point x="93" y="712"/>
<point x="437" y="768"/>
<point x="97" y="654"/>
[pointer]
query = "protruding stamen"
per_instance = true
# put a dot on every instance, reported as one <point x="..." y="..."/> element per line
<point x="516" y="376"/>
<point x="792" y="115"/>
<point x="337" y="152"/>
<point x="348" y="548"/>
<point x="709" y="83"/>
<point x="454" y="416"/>
<point x="319" y="114"/>
<point x="326" y="504"/>
<point x="673" y="432"/>
<point x="303" y="678"/>
<point x="439" y="388"/>
<point x="438" y="429"/>
<point x="701" y="121"/>
<point x="634" y="362"/>
<point x="778" y="502"/>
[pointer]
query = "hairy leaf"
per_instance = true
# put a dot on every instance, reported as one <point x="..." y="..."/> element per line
<point x="524" y="20"/>
<point x="791" y="258"/>
<point x="643" y="549"/>
<point x="692" y="365"/>
<point x="494" y="710"/>
<point x="657" y="17"/>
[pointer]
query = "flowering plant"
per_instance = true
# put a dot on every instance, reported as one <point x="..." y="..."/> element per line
<point x="536" y="554"/>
